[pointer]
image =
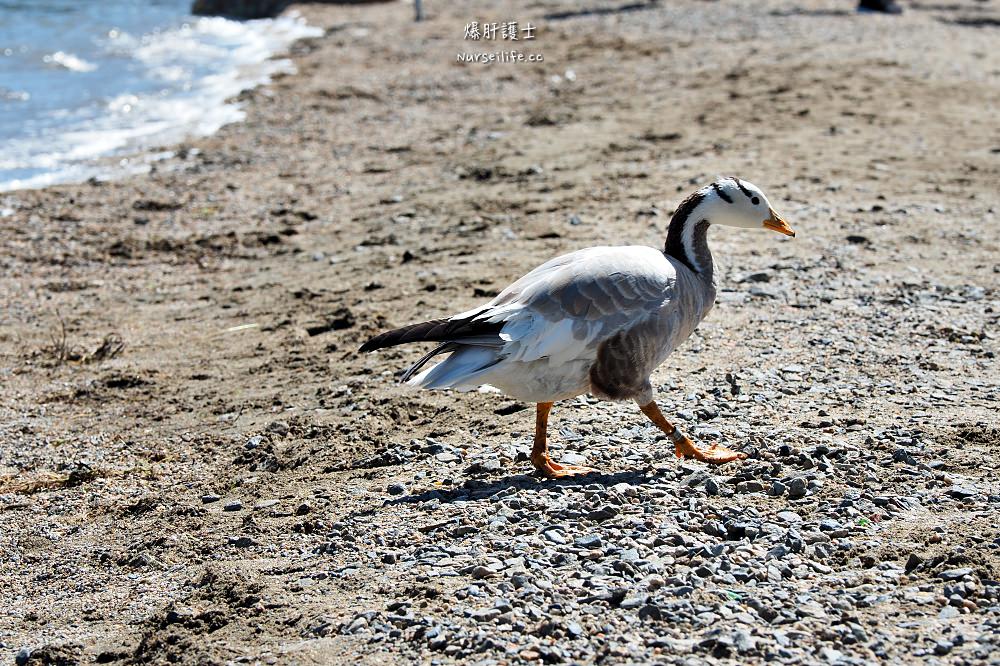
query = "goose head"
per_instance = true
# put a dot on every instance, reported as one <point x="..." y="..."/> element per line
<point x="738" y="203"/>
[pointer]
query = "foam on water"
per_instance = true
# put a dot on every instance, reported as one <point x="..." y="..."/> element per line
<point x="69" y="61"/>
<point x="141" y="90"/>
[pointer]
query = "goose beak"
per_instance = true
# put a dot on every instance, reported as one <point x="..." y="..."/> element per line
<point x="775" y="223"/>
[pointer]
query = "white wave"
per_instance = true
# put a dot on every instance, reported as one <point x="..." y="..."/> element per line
<point x="238" y="55"/>
<point x="69" y="61"/>
<point x="13" y="95"/>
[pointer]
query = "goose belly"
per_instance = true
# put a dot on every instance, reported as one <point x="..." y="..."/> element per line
<point x="539" y="381"/>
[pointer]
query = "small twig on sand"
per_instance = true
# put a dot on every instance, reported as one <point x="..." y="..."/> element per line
<point x="59" y="344"/>
<point x="82" y="473"/>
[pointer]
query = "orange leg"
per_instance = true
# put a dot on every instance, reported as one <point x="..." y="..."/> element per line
<point x="540" y="451"/>
<point x="684" y="447"/>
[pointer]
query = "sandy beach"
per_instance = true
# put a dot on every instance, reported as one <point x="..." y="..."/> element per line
<point x="197" y="467"/>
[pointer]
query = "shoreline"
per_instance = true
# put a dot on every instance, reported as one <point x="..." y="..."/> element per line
<point x="125" y="133"/>
<point x="196" y="466"/>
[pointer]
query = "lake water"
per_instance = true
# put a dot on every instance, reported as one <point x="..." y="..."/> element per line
<point x="82" y="82"/>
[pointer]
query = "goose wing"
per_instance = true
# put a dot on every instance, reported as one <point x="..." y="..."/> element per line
<point x="566" y="307"/>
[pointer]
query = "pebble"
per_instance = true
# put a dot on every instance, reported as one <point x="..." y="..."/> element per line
<point x="235" y="505"/>
<point x="831" y="655"/>
<point x="650" y="612"/>
<point x="954" y="574"/>
<point x="603" y="513"/>
<point x="555" y="537"/>
<point x="948" y="612"/>
<point x="589" y="541"/>
<point x="486" y="614"/>
<point x="358" y="624"/>
<point x="797" y="487"/>
<point x="480" y="572"/>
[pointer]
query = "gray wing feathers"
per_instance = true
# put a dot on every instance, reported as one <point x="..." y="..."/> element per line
<point x="566" y="307"/>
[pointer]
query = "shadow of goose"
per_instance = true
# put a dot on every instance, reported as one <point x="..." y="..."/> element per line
<point x="475" y="490"/>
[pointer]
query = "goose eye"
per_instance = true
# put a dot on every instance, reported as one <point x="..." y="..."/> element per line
<point x="754" y="201"/>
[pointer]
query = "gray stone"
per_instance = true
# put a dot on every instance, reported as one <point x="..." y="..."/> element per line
<point x="962" y="492"/>
<point x="480" y="572"/>
<point x="632" y="602"/>
<point x="948" y="612"/>
<point x="630" y="555"/>
<point x="240" y="9"/>
<point x="486" y="614"/>
<point x="954" y="574"/>
<point x="360" y="623"/>
<point x="603" y="513"/>
<point x="590" y="541"/>
<point x="556" y="537"/>
<point x="831" y="655"/>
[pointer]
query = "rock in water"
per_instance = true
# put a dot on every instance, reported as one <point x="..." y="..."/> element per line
<point x="253" y="9"/>
<point x="242" y="9"/>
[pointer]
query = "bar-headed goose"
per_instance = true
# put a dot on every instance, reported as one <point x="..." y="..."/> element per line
<point x="598" y="320"/>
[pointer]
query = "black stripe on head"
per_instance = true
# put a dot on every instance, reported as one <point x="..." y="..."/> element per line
<point x="743" y="188"/>
<point x="674" y="246"/>
<point x="718" y="190"/>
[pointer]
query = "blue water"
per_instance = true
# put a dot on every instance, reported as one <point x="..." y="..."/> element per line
<point x="90" y="87"/>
